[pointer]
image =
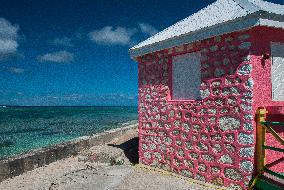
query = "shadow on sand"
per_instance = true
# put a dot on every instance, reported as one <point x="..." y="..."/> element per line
<point x="130" y="149"/>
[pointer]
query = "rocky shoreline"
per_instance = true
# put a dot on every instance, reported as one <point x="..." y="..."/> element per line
<point x="19" y="164"/>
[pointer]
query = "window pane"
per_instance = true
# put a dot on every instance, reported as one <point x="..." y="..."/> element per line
<point x="277" y="71"/>
<point x="186" y="76"/>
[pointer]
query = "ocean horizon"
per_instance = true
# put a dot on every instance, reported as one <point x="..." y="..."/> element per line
<point x="24" y="128"/>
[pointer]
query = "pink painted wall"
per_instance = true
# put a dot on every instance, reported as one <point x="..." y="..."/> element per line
<point x="211" y="139"/>
<point x="262" y="38"/>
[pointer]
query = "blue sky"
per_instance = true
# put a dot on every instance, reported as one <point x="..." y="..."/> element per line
<point x="75" y="52"/>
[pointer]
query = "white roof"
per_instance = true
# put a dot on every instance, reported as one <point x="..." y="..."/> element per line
<point x="221" y="17"/>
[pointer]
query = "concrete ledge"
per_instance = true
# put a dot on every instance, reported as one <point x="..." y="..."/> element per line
<point x="18" y="164"/>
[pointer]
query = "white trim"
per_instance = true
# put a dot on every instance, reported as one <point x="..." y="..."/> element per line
<point x="271" y="23"/>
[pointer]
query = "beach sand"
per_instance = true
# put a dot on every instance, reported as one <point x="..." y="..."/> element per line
<point x="108" y="166"/>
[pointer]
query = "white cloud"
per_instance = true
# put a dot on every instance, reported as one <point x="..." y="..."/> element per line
<point x="7" y="30"/>
<point x="16" y="70"/>
<point x="8" y="39"/>
<point x="8" y="46"/>
<point x="111" y="35"/>
<point x="64" y="41"/>
<point x="148" y="29"/>
<point x="57" y="57"/>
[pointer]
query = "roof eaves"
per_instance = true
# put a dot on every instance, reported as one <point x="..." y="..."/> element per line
<point x="219" y="29"/>
<point x="256" y="15"/>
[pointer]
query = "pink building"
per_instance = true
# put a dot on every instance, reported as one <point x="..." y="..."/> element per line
<point x="200" y="83"/>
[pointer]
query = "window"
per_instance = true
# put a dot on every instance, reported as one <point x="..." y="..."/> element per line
<point x="277" y="71"/>
<point x="186" y="76"/>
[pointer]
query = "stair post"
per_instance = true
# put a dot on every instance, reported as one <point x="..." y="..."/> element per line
<point x="260" y="140"/>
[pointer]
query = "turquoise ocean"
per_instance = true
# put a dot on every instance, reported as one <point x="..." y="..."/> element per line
<point x="25" y="128"/>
